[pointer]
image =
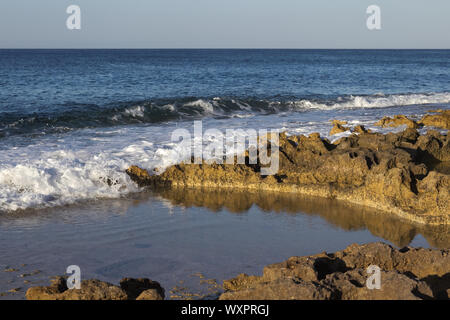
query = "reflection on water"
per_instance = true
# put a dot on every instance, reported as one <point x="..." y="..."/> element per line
<point x="340" y="214"/>
<point x="168" y="235"/>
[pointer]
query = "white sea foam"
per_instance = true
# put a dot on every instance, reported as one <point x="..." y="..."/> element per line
<point x="60" y="178"/>
<point x="87" y="164"/>
<point x="215" y="106"/>
<point x="135" y="112"/>
<point x="65" y="168"/>
<point x="206" y="106"/>
<point x="375" y="101"/>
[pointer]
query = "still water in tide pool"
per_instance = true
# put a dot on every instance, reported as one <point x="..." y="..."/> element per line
<point x="189" y="241"/>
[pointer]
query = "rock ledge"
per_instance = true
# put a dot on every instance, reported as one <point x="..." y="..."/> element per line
<point x="406" y="274"/>
<point x="403" y="173"/>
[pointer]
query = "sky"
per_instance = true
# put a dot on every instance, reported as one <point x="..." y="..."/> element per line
<point x="225" y="24"/>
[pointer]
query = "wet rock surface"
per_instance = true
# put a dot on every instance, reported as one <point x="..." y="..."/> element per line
<point x="130" y="289"/>
<point x="403" y="173"/>
<point x="142" y="289"/>
<point x="439" y="118"/>
<point x="406" y="274"/>
<point x="338" y="127"/>
<point x="396" y="121"/>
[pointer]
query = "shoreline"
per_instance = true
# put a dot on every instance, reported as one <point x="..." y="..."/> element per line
<point x="405" y="274"/>
<point x="170" y="236"/>
<point x="403" y="173"/>
<point x="403" y="168"/>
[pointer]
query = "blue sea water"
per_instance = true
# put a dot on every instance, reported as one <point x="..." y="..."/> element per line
<point x="70" y="119"/>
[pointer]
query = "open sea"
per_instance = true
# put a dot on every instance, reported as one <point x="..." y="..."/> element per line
<point x="73" y="120"/>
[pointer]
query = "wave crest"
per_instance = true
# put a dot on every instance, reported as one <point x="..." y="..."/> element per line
<point x="195" y="108"/>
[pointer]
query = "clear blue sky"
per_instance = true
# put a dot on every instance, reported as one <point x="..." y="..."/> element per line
<point x="225" y="24"/>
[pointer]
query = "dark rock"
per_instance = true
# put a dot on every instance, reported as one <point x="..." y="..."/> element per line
<point x="361" y="129"/>
<point x="135" y="287"/>
<point x="151" y="294"/>
<point x="406" y="274"/>
<point x="98" y="290"/>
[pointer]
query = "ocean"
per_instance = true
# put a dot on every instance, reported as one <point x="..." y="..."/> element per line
<point x="72" y="121"/>
<point x="71" y="118"/>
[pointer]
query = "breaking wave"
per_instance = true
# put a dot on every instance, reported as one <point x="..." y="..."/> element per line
<point x="92" y="116"/>
<point x="89" y="164"/>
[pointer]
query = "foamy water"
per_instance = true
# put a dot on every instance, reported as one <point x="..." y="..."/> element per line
<point x="72" y="121"/>
<point x="377" y="101"/>
<point x="58" y="169"/>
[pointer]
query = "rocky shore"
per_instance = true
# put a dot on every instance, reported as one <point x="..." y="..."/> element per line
<point x="437" y="118"/>
<point x="129" y="289"/>
<point x="406" y="274"/>
<point x="405" y="173"/>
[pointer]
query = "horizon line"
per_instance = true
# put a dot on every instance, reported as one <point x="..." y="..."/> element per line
<point x="205" y="48"/>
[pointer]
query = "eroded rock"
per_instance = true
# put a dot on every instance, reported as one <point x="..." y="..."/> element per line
<point x="403" y="173"/>
<point x="351" y="285"/>
<point x="396" y="121"/>
<point x="136" y="287"/>
<point x="98" y="290"/>
<point x="151" y="294"/>
<point x="138" y="173"/>
<point x="441" y="119"/>
<point x="338" y="127"/>
<point x="361" y="129"/>
<point x="406" y="274"/>
<point x="281" y="289"/>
